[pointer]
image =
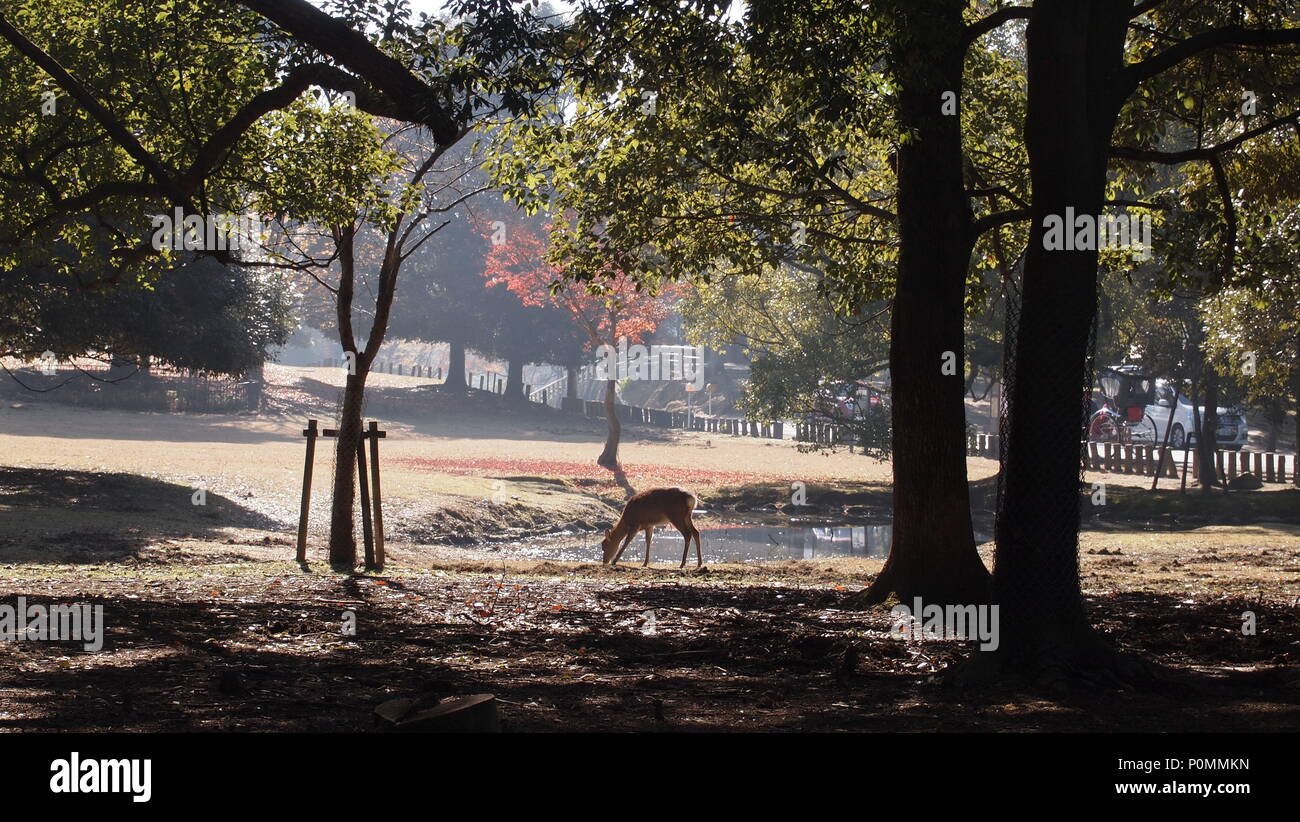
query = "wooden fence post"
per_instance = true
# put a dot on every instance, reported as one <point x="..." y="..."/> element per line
<point x="310" y="434"/>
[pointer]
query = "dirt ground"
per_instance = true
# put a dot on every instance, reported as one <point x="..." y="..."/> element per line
<point x="225" y="638"/>
<point x="210" y="626"/>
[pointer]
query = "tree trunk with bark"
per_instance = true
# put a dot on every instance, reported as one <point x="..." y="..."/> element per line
<point x="455" y="365"/>
<point x="932" y="554"/>
<point x="1295" y="391"/>
<point x="515" y="378"/>
<point x="343" y="543"/>
<point x="571" y="382"/>
<point x="609" y="457"/>
<point x="1074" y="51"/>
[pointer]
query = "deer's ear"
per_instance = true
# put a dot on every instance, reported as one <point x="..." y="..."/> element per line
<point x="608" y="531"/>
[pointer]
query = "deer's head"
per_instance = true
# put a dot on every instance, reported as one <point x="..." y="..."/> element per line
<point x="608" y="546"/>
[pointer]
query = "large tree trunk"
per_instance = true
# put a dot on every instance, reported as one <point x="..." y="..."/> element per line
<point x="609" y="457"/>
<point x="455" y="365"/>
<point x="1074" y="50"/>
<point x="932" y="555"/>
<point x="515" y="378"/>
<point x="343" y="543"/>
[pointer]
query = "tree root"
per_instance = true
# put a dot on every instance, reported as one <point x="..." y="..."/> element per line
<point x="974" y="591"/>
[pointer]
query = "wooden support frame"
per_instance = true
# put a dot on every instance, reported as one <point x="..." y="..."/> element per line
<point x="375" y="435"/>
<point x="367" y="534"/>
<point x="310" y="433"/>
<point x="372" y="516"/>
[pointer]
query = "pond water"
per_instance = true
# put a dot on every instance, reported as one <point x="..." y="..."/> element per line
<point x="730" y="543"/>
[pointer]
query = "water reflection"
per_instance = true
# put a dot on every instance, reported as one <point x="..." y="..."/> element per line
<point x="759" y="543"/>
<point x="742" y="543"/>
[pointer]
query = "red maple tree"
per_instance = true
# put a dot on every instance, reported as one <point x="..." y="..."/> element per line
<point x="612" y="308"/>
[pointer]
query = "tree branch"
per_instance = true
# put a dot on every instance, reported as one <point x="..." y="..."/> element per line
<point x="984" y="25"/>
<point x="413" y="100"/>
<point x="1176" y="157"/>
<point x="294" y="84"/>
<point x="1000" y="218"/>
<point x="1135" y="73"/>
<point x="120" y="134"/>
<point x="1144" y="7"/>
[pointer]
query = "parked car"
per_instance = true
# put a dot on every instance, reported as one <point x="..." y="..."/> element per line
<point x="844" y="401"/>
<point x="1232" y="433"/>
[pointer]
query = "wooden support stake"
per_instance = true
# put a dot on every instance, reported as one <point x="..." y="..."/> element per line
<point x="376" y="497"/>
<point x="310" y="434"/>
<point x="366" y="532"/>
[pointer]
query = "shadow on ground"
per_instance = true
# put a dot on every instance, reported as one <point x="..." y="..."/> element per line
<point x="268" y="654"/>
<point x="62" y="516"/>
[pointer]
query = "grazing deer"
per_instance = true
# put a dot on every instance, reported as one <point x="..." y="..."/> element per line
<point x="643" y="512"/>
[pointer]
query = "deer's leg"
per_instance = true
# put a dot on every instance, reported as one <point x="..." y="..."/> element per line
<point x="699" y="557"/>
<point x="684" y="529"/>
<point x="622" y="548"/>
<point x="648" y="531"/>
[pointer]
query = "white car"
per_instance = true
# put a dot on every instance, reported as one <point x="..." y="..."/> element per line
<point x="1232" y="432"/>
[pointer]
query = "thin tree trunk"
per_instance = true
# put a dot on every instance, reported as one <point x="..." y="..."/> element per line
<point x="571" y="386"/>
<point x="1207" y="436"/>
<point x="343" y="543"/>
<point x="257" y="386"/>
<point x="1295" y="390"/>
<point x="932" y="555"/>
<point x="609" y="457"/>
